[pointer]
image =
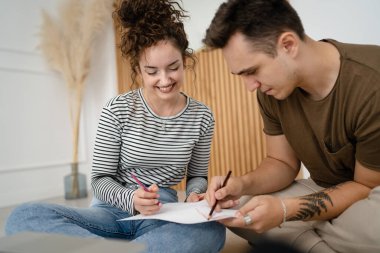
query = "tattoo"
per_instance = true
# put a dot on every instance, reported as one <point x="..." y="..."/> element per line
<point x="313" y="204"/>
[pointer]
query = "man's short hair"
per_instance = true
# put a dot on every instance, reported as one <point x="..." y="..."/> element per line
<point x="260" y="21"/>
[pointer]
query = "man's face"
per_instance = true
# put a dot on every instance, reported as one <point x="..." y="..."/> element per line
<point x="273" y="76"/>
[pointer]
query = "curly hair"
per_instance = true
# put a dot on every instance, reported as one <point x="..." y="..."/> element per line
<point x="147" y="22"/>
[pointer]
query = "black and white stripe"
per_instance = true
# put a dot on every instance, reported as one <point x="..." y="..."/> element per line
<point x="131" y="139"/>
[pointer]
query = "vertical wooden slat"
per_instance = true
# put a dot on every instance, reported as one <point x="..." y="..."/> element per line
<point x="124" y="81"/>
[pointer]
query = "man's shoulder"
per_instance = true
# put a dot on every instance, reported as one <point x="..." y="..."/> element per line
<point x="364" y="54"/>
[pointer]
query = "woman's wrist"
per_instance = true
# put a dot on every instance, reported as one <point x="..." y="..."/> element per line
<point x="194" y="191"/>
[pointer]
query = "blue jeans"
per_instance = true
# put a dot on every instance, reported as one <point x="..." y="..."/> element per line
<point x="100" y="220"/>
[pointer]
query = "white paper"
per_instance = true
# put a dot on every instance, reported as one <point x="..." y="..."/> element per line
<point x="186" y="213"/>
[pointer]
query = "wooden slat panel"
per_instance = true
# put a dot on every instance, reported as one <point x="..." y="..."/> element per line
<point x="238" y="142"/>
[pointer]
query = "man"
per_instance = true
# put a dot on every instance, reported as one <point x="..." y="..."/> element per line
<point x="320" y="103"/>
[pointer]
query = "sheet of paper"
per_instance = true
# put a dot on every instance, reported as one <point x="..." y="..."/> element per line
<point x="186" y="213"/>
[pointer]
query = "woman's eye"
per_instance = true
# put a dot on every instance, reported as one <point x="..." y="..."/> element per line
<point x="151" y="73"/>
<point x="174" y="68"/>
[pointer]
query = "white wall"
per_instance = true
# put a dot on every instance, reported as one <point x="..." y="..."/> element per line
<point x="201" y="13"/>
<point x="34" y="139"/>
<point x="353" y="21"/>
<point x="35" y="132"/>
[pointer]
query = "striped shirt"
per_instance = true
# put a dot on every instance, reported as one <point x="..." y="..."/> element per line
<point x="131" y="138"/>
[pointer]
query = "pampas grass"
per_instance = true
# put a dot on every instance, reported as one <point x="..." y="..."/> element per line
<point x="67" y="44"/>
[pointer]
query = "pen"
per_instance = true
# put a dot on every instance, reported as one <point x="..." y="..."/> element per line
<point x="216" y="201"/>
<point x="142" y="185"/>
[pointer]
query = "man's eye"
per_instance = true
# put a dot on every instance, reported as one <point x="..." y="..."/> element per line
<point x="251" y="72"/>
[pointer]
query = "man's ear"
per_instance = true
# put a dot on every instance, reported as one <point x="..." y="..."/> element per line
<point x="288" y="42"/>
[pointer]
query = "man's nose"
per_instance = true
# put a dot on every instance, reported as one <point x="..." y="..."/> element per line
<point x="251" y="83"/>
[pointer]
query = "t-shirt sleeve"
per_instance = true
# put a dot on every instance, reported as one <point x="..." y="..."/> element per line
<point x="267" y="105"/>
<point x="197" y="169"/>
<point x="368" y="133"/>
<point x="105" y="163"/>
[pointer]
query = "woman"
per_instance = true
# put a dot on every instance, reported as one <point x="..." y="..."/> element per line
<point x="154" y="133"/>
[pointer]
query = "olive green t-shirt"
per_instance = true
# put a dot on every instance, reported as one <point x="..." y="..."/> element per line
<point x="329" y="134"/>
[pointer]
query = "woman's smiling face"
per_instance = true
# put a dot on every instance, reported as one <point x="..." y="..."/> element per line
<point x="162" y="70"/>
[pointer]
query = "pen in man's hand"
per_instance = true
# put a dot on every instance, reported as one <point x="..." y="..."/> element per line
<point x="216" y="201"/>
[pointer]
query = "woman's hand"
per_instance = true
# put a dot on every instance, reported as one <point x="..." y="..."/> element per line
<point x="147" y="202"/>
<point x="195" y="197"/>
<point x="264" y="212"/>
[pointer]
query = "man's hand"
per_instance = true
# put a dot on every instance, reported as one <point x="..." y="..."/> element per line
<point x="264" y="211"/>
<point x="227" y="196"/>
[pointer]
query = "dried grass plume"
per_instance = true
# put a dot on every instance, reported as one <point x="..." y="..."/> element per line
<point x="67" y="41"/>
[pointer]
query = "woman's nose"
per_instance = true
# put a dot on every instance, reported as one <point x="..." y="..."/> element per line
<point x="165" y="79"/>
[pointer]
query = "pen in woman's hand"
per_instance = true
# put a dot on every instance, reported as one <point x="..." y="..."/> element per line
<point x="216" y="201"/>
<point x="139" y="183"/>
<point x="142" y="185"/>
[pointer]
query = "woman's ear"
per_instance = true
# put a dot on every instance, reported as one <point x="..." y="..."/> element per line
<point x="288" y="42"/>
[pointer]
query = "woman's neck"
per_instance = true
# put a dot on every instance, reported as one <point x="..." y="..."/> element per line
<point x="165" y="108"/>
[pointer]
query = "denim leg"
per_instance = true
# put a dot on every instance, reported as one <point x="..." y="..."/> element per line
<point x="173" y="237"/>
<point x="41" y="217"/>
<point x="52" y="218"/>
<point x="100" y="219"/>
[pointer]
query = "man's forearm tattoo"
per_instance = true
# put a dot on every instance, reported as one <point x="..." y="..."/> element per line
<point x="311" y="205"/>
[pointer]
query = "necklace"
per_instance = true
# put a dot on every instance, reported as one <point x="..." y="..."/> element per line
<point x="163" y="119"/>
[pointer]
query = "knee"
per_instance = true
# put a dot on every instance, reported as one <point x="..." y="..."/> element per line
<point x="219" y="232"/>
<point x="21" y="218"/>
<point x="212" y="237"/>
<point x="189" y="238"/>
<point x="206" y="237"/>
